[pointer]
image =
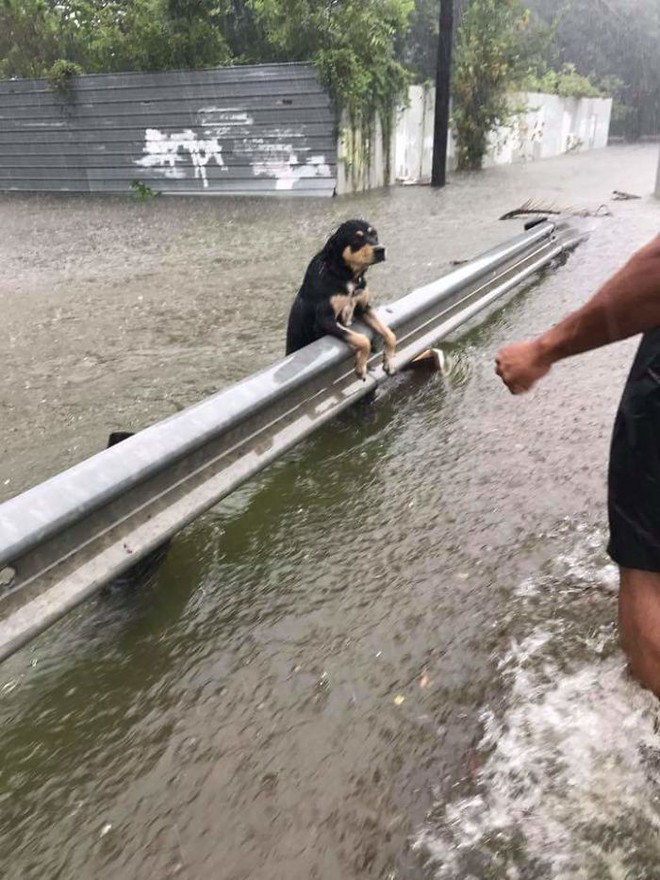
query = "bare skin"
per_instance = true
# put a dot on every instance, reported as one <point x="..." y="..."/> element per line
<point x="627" y="304"/>
<point x="639" y="624"/>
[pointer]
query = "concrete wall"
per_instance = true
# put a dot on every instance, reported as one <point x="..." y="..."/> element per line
<point x="361" y="158"/>
<point x="413" y="138"/>
<point x="657" y="180"/>
<point x="547" y="126"/>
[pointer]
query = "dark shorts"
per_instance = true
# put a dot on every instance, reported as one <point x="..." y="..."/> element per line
<point x="634" y="475"/>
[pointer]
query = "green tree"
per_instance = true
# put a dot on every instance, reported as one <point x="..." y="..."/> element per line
<point x="351" y="42"/>
<point x="194" y="33"/>
<point x="616" y="43"/>
<point x="115" y="35"/>
<point x="566" y="82"/>
<point x="244" y="34"/>
<point x="487" y="61"/>
<point x="30" y="37"/>
<point x="111" y="35"/>
<point x="418" y="47"/>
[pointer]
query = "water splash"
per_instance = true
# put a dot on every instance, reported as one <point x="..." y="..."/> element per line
<point x="570" y="784"/>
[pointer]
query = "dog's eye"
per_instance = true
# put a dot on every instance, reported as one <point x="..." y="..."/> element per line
<point x="360" y="233"/>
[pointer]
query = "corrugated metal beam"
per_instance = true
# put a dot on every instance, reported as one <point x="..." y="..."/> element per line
<point x="63" y="539"/>
<point x="254" y="130"/>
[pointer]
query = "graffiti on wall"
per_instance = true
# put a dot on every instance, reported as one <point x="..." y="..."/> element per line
<point x="269" y="151"/>
<point x="163" y="152"/>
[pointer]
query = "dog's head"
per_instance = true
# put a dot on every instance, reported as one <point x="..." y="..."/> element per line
<point x="355" y="245"/>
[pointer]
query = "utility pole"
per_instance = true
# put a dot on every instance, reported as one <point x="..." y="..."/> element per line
<point x="442" y="83"/>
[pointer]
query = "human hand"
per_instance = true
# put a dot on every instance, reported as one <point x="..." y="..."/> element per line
<point x="521" y="365"/>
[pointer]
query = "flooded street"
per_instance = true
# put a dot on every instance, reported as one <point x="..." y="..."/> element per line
<point x="391" y="655"/>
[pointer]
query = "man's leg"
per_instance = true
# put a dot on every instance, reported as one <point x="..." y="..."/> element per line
<point x="639" y="624"/>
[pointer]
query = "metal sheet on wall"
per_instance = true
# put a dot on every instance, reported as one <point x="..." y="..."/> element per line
<point x="246" y="130"/>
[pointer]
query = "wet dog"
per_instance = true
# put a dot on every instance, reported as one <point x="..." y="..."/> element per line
<point x="334" y="291"/>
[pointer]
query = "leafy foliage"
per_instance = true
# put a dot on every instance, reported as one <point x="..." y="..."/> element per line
<point x="418" y="48"/>
<point x="612" y="43"/>
<point x="110" y="35"/>
<point x="566" y="82"/>
<point x="113" y="35"/>
<point x="61" y="74"/>
<point x="29" y="37"/>
<point x="352" y="42"/>
<point x="616" y="44"/>
<point x="353" y="46"/>
<point x="142" y="191"/>
<point x="486" y="62"/>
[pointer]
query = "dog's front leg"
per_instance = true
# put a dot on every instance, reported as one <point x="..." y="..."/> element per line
<point x="329" y="324"/>
<point x="372" y="320"/>
<point x="363" y="348"/>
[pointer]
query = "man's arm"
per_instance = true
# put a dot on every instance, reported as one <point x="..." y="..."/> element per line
<point x="627" y="304"/>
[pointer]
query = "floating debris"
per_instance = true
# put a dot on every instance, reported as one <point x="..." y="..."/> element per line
<point x="532" y="207"/>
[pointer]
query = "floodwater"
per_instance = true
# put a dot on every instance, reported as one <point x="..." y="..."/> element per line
<point x="393" y="654"/>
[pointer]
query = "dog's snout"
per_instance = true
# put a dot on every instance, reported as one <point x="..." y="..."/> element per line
<point x="379" y="253"/>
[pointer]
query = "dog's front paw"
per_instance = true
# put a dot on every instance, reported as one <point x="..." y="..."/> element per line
<point x="389" y="350"/>
<point x="388" y="364"/>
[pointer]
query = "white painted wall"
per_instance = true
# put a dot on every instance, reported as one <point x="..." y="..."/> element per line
<point x="354" y="172"/>
<point x="551" y="125"/>
<point x="413" y="138"/>
<point x="547" y="126"/>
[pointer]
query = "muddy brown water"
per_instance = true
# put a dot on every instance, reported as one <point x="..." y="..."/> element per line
<point x="393" y="654"/>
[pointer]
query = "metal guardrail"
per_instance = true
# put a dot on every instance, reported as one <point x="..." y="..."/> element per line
<point x="65" y="538"/>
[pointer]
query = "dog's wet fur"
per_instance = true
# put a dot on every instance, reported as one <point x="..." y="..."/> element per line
<point x="334" y="291"/>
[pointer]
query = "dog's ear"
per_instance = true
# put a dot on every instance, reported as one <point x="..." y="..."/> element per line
<point x="349" y="233"/>
<point x="332" y="248"/>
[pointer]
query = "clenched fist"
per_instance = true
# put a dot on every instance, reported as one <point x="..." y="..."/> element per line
<point x="521" y="365"/>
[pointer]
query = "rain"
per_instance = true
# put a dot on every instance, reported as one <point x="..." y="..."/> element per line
<point x="393" y="653"/>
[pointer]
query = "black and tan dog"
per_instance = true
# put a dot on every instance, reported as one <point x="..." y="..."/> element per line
<point x="334" y="291"/>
